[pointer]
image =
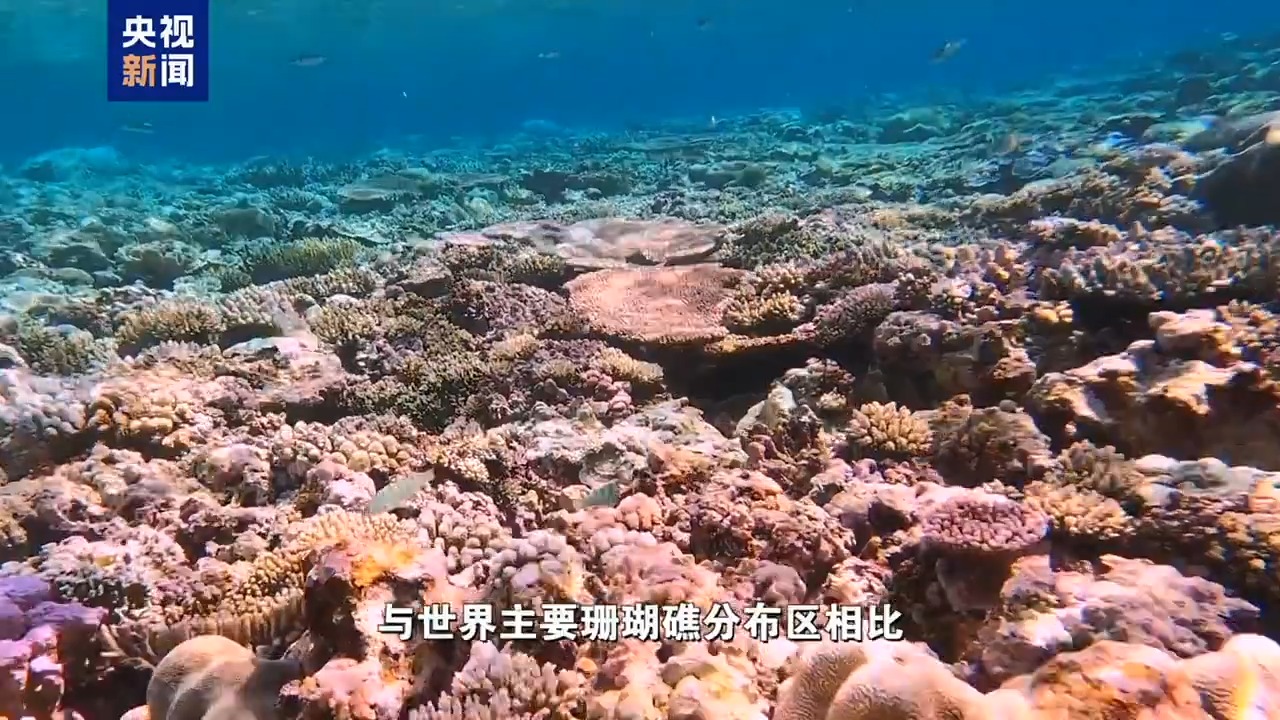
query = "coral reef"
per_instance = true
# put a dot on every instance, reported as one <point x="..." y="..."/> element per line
<point x="811" y="418"/>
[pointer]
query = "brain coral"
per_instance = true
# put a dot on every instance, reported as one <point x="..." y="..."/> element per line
<point x="212" y="678"/>
<point x="876" y="680"/>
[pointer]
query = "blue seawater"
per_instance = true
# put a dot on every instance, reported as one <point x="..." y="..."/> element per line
<point x="428" y="71"/>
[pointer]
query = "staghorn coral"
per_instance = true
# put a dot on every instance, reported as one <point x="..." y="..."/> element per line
<point x="754" y="312"/>
<point x="270" y="261"/>
<point x="1100" y="470"/>
<point x="60" y="351"/>
<point x="1078" y="512"/>
<point x="504" y="263"/>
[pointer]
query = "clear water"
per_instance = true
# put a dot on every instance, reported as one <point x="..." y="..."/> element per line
<point x="429" y="71"/>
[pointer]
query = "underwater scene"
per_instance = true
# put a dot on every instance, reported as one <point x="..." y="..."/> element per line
<point x="622" y="360"/>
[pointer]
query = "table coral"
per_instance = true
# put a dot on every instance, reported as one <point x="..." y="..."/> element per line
<point x="663" y="305"/>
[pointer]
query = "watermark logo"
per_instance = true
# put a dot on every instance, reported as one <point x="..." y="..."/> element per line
<point x="157" y="50"/>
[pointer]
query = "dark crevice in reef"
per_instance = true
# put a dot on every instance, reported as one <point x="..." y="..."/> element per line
<point x="128" y="689"/>
<point x="713" y="379"/>
<point x="1099" y="314"/>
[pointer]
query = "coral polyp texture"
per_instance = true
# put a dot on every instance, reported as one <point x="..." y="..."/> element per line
<point x="839" y="418"/>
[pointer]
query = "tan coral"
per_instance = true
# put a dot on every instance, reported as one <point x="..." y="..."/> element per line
<point x="886" y="431"/>
<point x="505" y="685"/>
<point x="161" y="409"/>
<point x="753" y="312"/>
<point x="171" y="320"/>
<point x="1100" y="470"/>
<point x="301" y="446"/>
<point x="1241" y="677"/>
<point x="1078" y="512"/>
<point x="1150" y="399"/>
<point x="875" y="680"/>
<point x="660" y="305"/>
<point x="213" y="678"/>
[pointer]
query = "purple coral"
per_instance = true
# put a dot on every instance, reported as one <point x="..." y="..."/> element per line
<point x="978" y="523"/>
<point x="40" y="636"/>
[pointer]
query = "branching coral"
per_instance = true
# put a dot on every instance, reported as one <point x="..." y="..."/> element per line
<point x="172" y="321"/>
<point x="270" y="261"/>
<point x="886" y="431"/>
<point x="497" y="685"/>
<point x="262" y="604"/>
<point x="60" y="351"/>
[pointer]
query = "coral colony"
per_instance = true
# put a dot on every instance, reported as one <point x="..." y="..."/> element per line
<point x="819" y="419"/>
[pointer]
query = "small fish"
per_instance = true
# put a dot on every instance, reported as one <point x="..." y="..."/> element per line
<point x="607" y="495"/>
<point x="141" y="128"/>
<point x="308" y="61"/>
<point x="702" y="23"/>
<point x="550" y="55"/>
<point x="714" y="122"/>
<point x="396" y="493"/>
<point x="948" y="50"/>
